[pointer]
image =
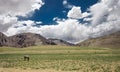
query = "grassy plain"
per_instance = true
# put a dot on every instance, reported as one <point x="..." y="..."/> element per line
<point x="60" y="59"/>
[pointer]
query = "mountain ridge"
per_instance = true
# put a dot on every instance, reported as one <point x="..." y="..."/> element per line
<point x="111" y="40"/>
<point x="32" y="39"/>
<point x="28" y="39"/>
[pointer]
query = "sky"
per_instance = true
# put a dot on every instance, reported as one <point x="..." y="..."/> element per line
<point x="70" y="20"/>
<point x="55" y="8"/>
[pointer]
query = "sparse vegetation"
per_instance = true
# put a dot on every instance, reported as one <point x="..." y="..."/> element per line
<point x="111" y="41"/>
<point x="61" y="58"/>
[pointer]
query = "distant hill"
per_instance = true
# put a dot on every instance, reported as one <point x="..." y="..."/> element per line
<point x="25" y="40"/>
<point x="112" y="40"/>
<point x="28" y="39"/>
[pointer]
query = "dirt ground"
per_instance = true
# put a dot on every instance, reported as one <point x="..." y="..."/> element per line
<point x="26" y="70"/>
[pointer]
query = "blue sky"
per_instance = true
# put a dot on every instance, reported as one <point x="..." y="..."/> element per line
<point x="55" y="8"/>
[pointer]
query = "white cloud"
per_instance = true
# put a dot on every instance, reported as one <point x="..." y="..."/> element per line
<point x="39" y="22"/>
<point x="67" y="4"/>
<point x="108" y="11"/>
<point x="85" y="14"/>
<point x="9" y="9"/>
<point x="99" y="16"/>
<point x="87" y="19"/>
<point x="21" y="28"/>
<point x="19" y="7"/>
<point x="75" y="13"/>
<point x="56" y="19"/>
<point x="6" y="22"/>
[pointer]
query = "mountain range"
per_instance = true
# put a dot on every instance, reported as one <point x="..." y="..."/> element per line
<point x="31" y="39"/>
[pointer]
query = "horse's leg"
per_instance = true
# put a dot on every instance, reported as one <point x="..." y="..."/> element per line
<point x="28" y="58"/>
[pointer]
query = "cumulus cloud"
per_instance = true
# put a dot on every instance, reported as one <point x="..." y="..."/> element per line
<point x="99" y="16"/>
<point x="19" y="7"/>
<point x="21" y="27"/>
<point x="9" y="9"/>
<point x="6" y="22"/>
<point x="108" y="11"/>
<point x="104" y="19"/>
<point x="85" y="14"/>
<point x="75" y="13"/>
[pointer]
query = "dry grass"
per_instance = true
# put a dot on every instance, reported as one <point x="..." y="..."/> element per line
<point x="27" y="70"/>
<point x="60" y="59"/>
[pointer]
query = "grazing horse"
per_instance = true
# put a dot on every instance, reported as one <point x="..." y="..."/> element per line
<point x="26" y="57"/>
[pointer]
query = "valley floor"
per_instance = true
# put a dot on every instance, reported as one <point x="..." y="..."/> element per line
<point x="60" y="59"/>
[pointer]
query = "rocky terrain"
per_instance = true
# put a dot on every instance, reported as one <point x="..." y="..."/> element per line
<point x="28" y="39"/>
<point x="3" y="39"/>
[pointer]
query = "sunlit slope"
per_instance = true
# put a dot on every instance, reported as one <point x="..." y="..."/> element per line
<point x="112" y="41"/>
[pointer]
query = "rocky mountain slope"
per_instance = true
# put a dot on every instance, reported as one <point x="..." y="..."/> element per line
<point x="25" y="40"/>
<point x="28" y="39"/>
<point x="112" y="40"/>
<point x="3" y="39"/>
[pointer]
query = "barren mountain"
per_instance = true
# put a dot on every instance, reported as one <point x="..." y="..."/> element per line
<point x="112" y="40"/>
<point x="25" y="40"/>
<point x="31" y="39"/>
<point x="28" y="39"/>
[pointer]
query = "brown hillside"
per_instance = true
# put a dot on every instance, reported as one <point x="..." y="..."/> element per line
<point x="25" y="40"/>
<point x="28" y="39"/>
<point x="112" y="40"/>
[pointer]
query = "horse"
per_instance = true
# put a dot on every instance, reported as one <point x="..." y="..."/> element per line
<point x="26" y="57"/>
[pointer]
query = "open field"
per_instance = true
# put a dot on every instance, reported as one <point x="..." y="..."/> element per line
<point x="60" y="59"/>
